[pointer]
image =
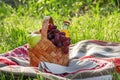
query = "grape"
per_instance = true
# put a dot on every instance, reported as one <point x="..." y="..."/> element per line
<point x="65" y="50"/>
<point x="62" y="33"/>
<point x="62" y="38"/>
<point x="51" y="26"/>
<point x="53" y="41"/>
<point x="55" y="30"/>
<point x="58" y="38"/>
<point x="68" y="39"/>
<point x="66" y="43"/>
<point x="50" y="36"/>
<point x="59" y="44"/>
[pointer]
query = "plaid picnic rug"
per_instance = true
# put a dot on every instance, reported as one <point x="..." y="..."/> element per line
<point x="89" y="60"/>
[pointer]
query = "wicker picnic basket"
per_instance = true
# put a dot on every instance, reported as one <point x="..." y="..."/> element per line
<point x="45" y="50"/>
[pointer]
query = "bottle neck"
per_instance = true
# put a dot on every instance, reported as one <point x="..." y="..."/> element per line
<point x="64" y="27"/>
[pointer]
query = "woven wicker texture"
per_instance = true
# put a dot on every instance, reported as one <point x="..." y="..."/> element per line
<point x="45" y="50"/>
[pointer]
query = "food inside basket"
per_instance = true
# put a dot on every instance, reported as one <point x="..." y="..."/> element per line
<point x="33" y="39"/>
<point x="58" y="38"/>
<point x="51" y="45"/>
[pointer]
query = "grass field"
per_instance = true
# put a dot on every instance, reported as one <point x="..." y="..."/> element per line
<point x="14" y="29"/>
<point x="92" y="21"/>
<point x="99" y="23"/>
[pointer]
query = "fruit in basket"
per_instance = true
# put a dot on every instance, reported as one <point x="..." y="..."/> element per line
<point x="58" y="38"/>
<point x="45" y="50"/>
<point x="33" y="39"/>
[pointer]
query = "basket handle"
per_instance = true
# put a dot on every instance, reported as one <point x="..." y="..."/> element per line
<point x="47" y="20"/>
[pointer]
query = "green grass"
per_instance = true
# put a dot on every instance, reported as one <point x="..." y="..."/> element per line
<point x="98" y="22"/>
<point x="14" y="29"/>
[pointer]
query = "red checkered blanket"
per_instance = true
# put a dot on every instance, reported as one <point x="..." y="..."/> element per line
<point x="89" y="60"/>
